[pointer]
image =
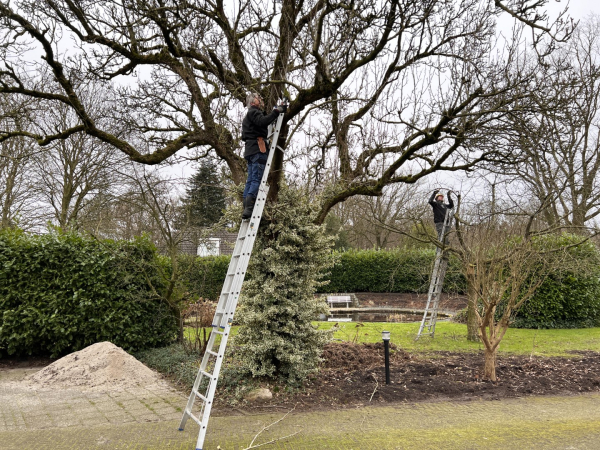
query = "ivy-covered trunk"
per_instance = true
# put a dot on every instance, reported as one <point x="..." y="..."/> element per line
<point x="277" y="337"/>
<point x="472" y="297"/>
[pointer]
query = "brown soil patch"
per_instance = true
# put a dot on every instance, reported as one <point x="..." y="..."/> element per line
<point x="353" y="375"/>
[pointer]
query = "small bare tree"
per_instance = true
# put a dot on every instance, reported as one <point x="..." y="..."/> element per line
<point x="504" y="263"/>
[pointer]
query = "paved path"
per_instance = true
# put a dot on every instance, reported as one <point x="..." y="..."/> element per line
<point x="148" y="419"/>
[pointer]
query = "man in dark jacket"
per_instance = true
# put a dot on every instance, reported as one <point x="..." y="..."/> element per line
<point x="254" y="134"/>
<point x="439" y="210"/>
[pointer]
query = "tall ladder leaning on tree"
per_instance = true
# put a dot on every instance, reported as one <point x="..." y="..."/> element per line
<point x="437" y="281"/>
<point x="210" y="367"/>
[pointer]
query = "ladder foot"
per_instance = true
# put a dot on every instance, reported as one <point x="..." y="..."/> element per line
<point x="180" y="429"/>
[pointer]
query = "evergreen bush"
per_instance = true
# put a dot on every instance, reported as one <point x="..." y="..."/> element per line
<point x="60" y="292"/>
<point x="276" y="338"/>
<point x="203" y="277"/>
<point x="402" y="270"/>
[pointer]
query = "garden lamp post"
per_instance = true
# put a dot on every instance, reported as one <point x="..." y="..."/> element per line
<point x="385" y="335"/>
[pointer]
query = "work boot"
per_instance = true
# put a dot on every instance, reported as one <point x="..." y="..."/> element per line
<point x="248" y="207"/>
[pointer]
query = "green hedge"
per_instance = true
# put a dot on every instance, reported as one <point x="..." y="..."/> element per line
<point x="400" y="270"/>
<point x="567" y="298"/>
<point x="403" y="270"/>
<point x="61" y="292"/>
<point x="204" y="276"/>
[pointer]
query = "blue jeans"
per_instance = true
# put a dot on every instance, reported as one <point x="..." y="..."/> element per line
<point x="256" y="168"/>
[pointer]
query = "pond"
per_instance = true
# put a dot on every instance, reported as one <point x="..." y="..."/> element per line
<point x="371" y="316"/>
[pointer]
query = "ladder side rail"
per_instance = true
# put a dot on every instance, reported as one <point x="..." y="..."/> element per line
<point x="436" y="282"/>
<point x="229" y="298"/>
<point x="244" y="260"/>
<point x="233" y="264"/>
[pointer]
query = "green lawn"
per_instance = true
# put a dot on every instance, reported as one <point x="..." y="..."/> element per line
<point x="452" y="337"/>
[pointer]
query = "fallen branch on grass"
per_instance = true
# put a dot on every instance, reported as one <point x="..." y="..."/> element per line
<point x="251" y="446"/>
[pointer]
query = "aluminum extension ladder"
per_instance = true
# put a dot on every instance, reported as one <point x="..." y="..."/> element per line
<point x="437" y="281"/>
<point x="210" y="367"/>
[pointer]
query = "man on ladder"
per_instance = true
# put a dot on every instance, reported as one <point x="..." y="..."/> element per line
<point x="442" y="216"/>
<point x="254" y="134"/>
<point x="439" y="212"/>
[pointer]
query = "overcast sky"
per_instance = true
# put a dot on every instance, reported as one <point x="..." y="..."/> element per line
<point x="578" y="9"/>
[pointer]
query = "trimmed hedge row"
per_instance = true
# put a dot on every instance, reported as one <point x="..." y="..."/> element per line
<point x="61" y="292"/>
<point x="204" y="276"/>
<point x="565" y="300"/>
<point x="403" y="270"/>
<point x="568" y="298"/>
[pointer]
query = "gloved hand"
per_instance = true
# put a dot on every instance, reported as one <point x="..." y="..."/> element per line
<point x="280" y="108"/>
<point x="449" y="192"/>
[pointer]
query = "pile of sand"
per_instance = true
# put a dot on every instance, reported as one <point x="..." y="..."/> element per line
<point x="99" y="366"/>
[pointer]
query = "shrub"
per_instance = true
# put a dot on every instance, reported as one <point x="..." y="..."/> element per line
<point x="174" y="361"/>
<point x="204" y="276"/>
<point x="399" y="270"/>
<point x="61" y="292"/>
<point x="567" y="298"/>
<point x="277" y="338"/>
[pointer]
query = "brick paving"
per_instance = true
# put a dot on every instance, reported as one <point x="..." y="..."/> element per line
<point x="147" y="418"/>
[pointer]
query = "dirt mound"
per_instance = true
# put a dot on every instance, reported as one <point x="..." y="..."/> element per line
<point x="99" y="366"/>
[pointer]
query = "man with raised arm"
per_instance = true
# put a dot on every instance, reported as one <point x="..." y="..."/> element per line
<point x="254" y="134"/>
<point x="439" y="210"/>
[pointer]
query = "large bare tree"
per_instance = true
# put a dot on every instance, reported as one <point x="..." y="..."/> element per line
<point x="77" y="175"/>
<point x="560" y="139"/>
<point x="390" y="91"/>
<point x="17" y="202"/>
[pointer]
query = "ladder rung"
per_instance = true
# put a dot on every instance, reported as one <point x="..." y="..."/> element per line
<point x="206" y="374"/>
<point x="210" y="352"/>
<point x="200" y="396"/>
<point x="194" y="418"/>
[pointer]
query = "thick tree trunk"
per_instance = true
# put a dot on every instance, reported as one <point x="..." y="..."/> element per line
<point x="489" y="368"/>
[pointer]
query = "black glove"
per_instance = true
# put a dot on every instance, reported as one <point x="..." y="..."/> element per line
<point x="280" y="108"/>
<point x="449" y="192"/>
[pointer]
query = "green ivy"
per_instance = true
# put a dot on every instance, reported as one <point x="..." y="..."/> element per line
<point x="60" y="292"/>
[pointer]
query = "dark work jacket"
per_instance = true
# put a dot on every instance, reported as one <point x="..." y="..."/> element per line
<point x="440" y="208"/>
<point x="255" y="125"/>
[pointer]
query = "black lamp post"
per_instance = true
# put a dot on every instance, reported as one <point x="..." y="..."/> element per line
<point x="385" y="335"/>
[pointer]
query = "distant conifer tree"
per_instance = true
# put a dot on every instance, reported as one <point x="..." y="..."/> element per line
<point x="205" y="197"/>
